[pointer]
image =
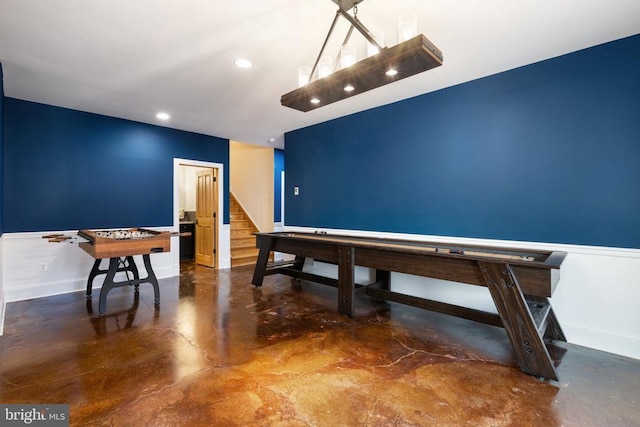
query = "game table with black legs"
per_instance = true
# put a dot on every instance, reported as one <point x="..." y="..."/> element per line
<point x="120" y="252"/>
<point x="519" y="281"/>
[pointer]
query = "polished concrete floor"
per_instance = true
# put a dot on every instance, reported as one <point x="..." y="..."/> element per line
<point x="220" y="352"/>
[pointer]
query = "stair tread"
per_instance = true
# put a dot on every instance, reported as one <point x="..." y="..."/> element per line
<point x="244" y="252"/>
<point x="243" y="241"/>
<point x="247" y="245"/>
<point x="243" y="256"/>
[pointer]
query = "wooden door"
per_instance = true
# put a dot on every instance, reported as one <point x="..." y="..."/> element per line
<point x="206" y="217"/>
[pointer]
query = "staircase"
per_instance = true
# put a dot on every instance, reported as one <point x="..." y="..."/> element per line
<point x="243" y="242"/>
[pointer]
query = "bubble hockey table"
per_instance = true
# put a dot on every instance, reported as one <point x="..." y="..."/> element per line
<point x="519" y="281"/>
<point x="120" y="246"/>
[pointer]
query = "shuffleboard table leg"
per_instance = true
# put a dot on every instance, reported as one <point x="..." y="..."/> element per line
<point x="346" y="281"/>
<point x="554" y="331"/>
<point x="528" y="345"/>
<point x="298" y="262"/>
<point x="265" y="245"/>
<point x="383" y="279"/>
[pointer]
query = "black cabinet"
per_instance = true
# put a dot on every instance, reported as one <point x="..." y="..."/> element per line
<point x="187" y="243"/>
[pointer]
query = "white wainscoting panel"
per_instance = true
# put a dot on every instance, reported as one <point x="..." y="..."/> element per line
<point x="224" y="247"/>
<point x="33" y="268"/>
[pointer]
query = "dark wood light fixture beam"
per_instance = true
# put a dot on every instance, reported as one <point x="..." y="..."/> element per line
<point x="406" y="59"/>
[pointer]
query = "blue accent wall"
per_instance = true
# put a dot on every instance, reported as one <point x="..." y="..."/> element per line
<point x="278" y="162"/>
<point x="549" y="152"/>
<point x="67" y="169"/>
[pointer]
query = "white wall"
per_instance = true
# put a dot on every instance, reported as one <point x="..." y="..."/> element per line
<point x="187" y="180"/>
<point x="252" y="181"/>
<point x="597" y="300"/>
<point x="279" y="226"/>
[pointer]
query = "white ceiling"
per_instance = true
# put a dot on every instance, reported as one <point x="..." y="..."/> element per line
<point x="131" y="59"/>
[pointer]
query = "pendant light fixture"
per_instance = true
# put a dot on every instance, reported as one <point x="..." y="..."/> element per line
<point x="321" y="85"/>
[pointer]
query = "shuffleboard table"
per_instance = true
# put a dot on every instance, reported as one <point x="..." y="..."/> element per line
<point x="519" y="281"/>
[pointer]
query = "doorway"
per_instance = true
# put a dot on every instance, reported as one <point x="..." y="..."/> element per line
<point x="197" y="201"/>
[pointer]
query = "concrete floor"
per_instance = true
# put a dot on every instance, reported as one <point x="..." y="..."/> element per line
<point x="221" y="352"/>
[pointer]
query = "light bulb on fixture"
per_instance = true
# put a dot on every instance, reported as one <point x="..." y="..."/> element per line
<point x="347" y="55"/>
<point x="304" y="75"/>
<point x="372" y="49"/>
<point x="325" y="66"/>
<point x="407" y="27"/>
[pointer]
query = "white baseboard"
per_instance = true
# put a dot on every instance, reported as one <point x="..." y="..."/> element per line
<point x="610" y="342"/>
<point x="58" y="287"/>
<point x="46" y="289"/>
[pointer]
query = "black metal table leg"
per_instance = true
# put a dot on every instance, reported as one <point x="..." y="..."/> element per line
<point x="127" y="265"/>
<point x="95" y="270"/>
<point x="151" y="278"/>
<point x="108" y="284"/>
<point x="130" y="265"/>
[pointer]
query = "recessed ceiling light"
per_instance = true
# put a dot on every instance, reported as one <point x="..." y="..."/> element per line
<point x="391" y="72"/>
<point x="243" y="63"/>
<point x="315" y="101"/>
<point x="349" y="88"/>
<point x="163" y="116"/>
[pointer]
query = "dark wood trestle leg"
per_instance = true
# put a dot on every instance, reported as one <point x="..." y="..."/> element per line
<point x="265" y="246"/>
<point x="346" y="279"/>
<point x="298" y="262"/>
<point x="553" y="329"/>
<point x="525" y="335"/>
<point x="383" y="279"/>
